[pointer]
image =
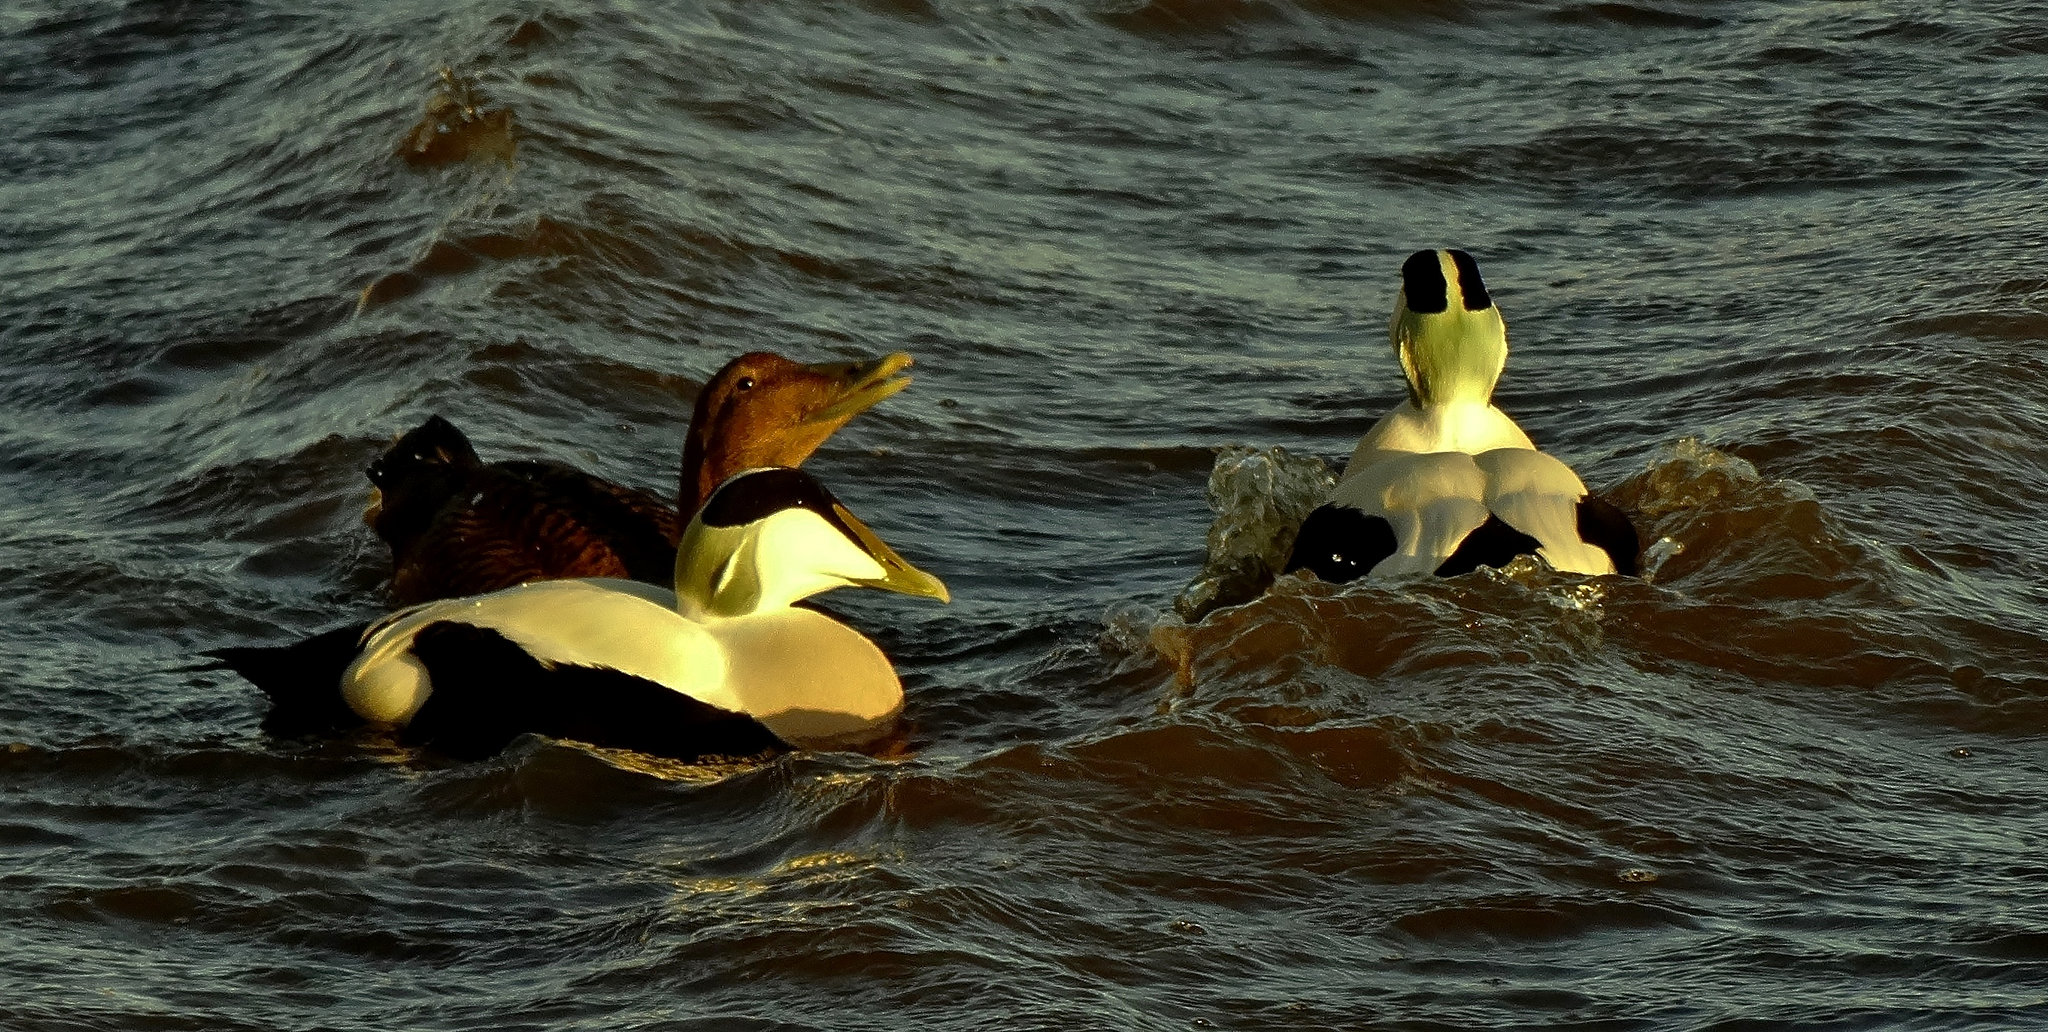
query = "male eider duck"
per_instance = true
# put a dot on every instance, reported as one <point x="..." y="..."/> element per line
<point x="1447" y="483"/>
<point x="459" y="526"/>
<point x="726" y="663"/>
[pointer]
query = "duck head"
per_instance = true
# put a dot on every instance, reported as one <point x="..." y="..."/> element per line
<point x="765" y="410"/>
<point x="770" y="537"/>
<point x="1447" y="331"/>
<point x="414" y="478"/>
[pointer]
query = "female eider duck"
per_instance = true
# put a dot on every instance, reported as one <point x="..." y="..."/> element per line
<point x="1447" y="482"/>
<point x="726" y="663"/>
<point x="458" y="526"/>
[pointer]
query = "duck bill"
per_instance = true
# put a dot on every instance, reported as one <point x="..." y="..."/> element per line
<point x="863" y="385"/>
<point x="897" y="573"/>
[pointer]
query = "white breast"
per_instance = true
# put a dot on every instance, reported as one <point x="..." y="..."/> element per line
<point x="812" y="680"/>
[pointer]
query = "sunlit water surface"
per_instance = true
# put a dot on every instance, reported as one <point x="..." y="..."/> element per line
<point x="1774" y="284"/>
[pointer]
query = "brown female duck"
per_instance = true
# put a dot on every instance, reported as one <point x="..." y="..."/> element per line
<point x="459" y="526"/>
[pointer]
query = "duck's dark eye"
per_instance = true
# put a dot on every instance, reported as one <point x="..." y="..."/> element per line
<point x="746" y="384"/>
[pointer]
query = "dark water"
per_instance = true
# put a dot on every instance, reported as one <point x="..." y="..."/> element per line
<point x="1774" y="282"/>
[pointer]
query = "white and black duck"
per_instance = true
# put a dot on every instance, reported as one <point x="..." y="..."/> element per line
<point x="1447" y="482"/>
<point x="726" y="663"/>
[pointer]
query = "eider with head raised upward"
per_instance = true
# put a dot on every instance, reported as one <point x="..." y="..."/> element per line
<point x="1447" y="483"/>
<point x="460" y="526"/>
<point x="725" y="663"/>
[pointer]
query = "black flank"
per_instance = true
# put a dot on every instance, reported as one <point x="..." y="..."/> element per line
<point x="1339" y="544"/>
<point x="488" y="691"/>
<point x="1492" y="543"/>
<point x="1603" y="524"/>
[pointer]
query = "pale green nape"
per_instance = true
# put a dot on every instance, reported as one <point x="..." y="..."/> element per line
<point x="1453" y="356"/>
<point x="727" y="572"/>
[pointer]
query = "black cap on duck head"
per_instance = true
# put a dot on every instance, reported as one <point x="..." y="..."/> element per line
<point x="757" y="494"/>
<point x="1423" y="283"/>
<point x="1470" y="285"/>
<point x="762" y="409"/>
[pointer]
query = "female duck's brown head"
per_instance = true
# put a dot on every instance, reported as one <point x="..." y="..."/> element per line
<point x="457" y="526"/>
<point x="765" y="410"/>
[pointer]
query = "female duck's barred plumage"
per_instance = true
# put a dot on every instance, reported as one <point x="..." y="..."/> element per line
<point x="459" y="526"/>
<point x="1447" y="483"/>
<point x="725" y="663"/>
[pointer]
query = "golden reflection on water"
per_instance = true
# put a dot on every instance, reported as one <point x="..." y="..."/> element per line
<point x="809" y="870"/>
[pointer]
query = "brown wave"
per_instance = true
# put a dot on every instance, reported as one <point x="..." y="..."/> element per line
<point x="459" y="125"/>
<point x="542" y="237"/>
<point x="1744" y="574"/>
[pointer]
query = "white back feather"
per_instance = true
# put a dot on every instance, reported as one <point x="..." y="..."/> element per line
<point x="1539" y="496"/>
<point x="622" y="625"/>
<point x="1431" y="499"/>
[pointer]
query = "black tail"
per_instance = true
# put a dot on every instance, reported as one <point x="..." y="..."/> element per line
<point x="302" y="680"/>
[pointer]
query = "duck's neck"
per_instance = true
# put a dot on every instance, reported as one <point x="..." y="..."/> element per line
<point x="1452" y="358"/>
<point x="722" y="573"/>
<point x="713" y="578"/>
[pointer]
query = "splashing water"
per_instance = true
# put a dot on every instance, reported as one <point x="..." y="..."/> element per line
<point x="1260" y="497"/>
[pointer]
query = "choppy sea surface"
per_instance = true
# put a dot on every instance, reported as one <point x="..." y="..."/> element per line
<point x="1774" y="283"/>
